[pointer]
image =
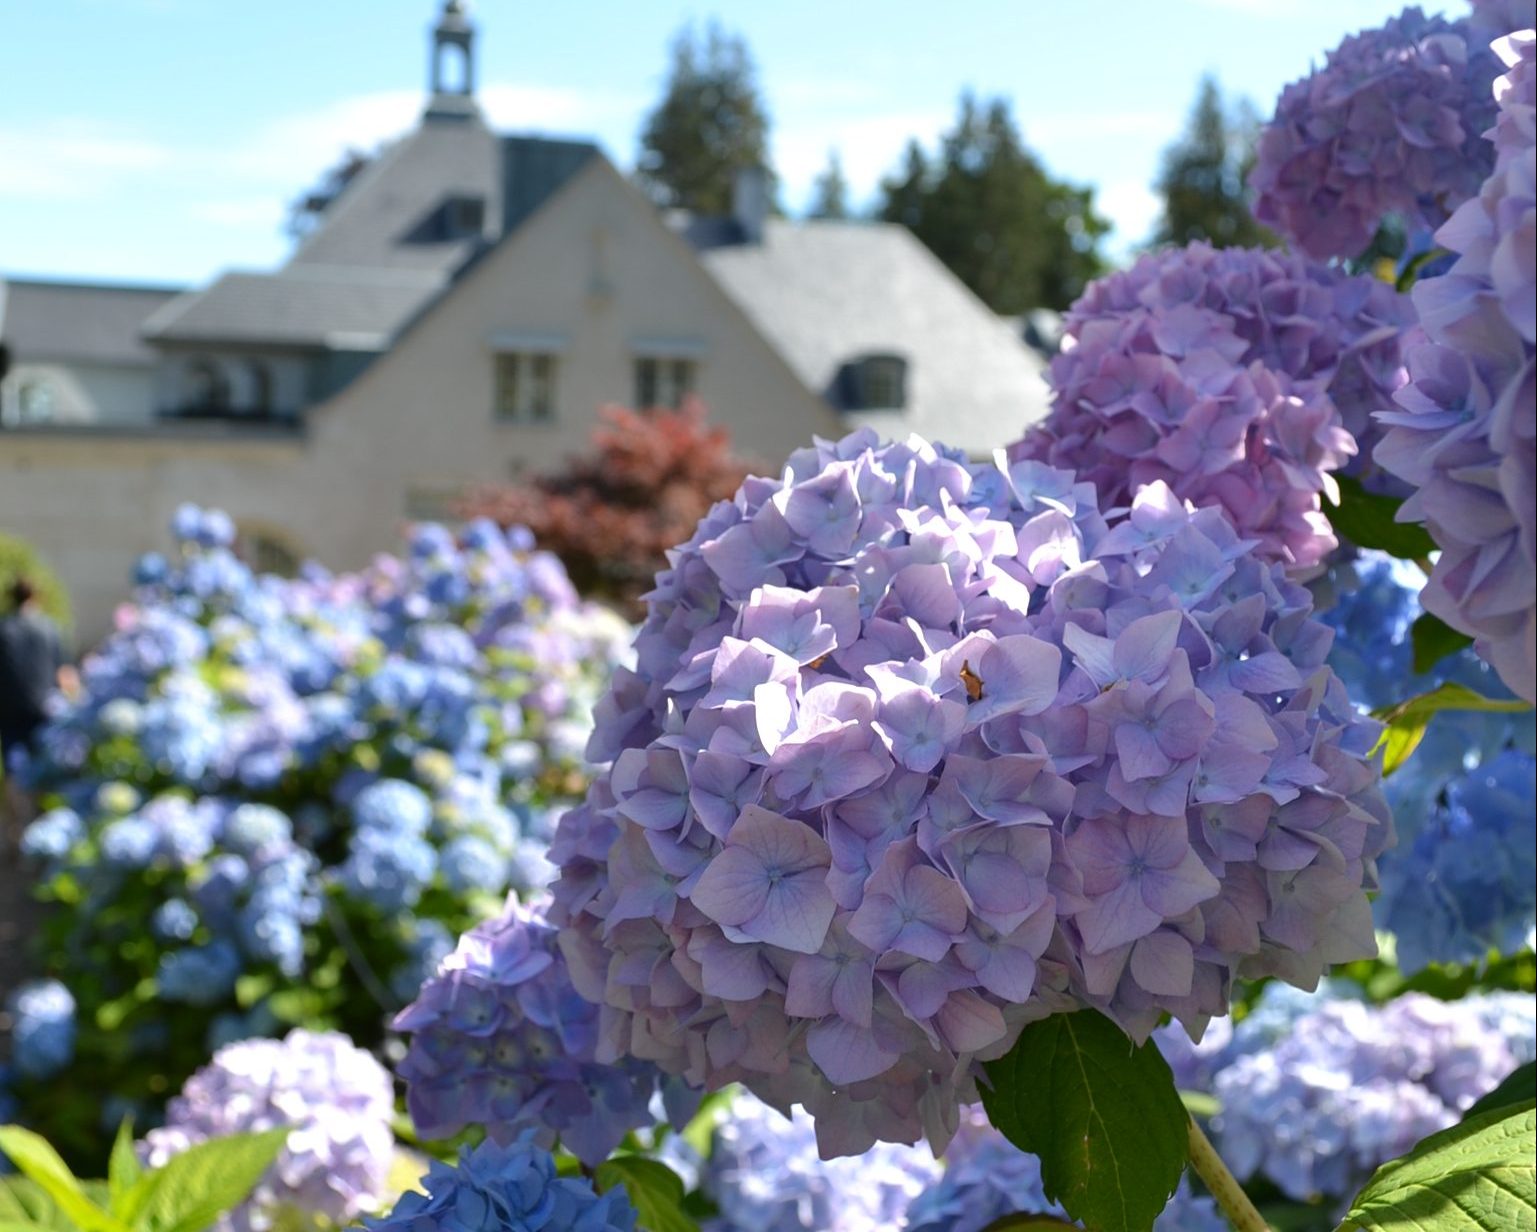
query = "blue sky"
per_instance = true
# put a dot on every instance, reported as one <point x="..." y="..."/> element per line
<point x="160" y="140"/>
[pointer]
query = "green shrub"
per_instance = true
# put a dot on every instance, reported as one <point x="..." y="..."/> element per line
<point x="17" y="557"/>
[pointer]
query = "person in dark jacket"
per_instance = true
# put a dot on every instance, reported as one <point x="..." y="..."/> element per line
<point x="31" y="667"/>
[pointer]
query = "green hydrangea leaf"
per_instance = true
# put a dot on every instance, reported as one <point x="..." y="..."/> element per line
<point x="204" y="1181"/>
<point x="1479" y="1176"/>
<point x="1102" y="1113"/>
<point x="1405" y="722"/>
<point x="1433" y="639"/>
<point x="24" y="1204"/>
<point x="41" y="1164"/>
<point x="1519" y="1086"/>
<point x="123" y="1170"/>
<point x="1368" y="521"/>
<point x="655" y="1189"/>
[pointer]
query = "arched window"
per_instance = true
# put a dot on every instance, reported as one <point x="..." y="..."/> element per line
<point x="35" y="401"/>
<point x="207" y="387"/>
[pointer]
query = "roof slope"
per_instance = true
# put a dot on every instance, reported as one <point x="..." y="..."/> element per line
<point x="825" y="293"/>
<point x="311" y="305"/>
<point x="78" y="322"/>
<point x="379" y="256"/>
<point x="379" y="219"/>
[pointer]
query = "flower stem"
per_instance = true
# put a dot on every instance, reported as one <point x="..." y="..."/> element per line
<point x="1224" y="1186"/>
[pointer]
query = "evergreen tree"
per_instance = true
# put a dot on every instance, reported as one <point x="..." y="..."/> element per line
<point x="830" y="193"/>
<point x="988" y="209"/>
<point x="709" y="125"/>
<point x="1202" y="180"/>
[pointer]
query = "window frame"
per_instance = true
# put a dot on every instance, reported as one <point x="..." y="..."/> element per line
<point x="681" y="381"/>
<point x="530" y="371"/>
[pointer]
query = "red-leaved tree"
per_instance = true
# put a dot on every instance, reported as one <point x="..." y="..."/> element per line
<point x="612" y="513"/>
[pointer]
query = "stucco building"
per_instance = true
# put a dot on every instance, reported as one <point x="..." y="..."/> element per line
<point x="464" y="306"/>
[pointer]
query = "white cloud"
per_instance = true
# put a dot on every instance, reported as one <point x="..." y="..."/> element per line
<point x="265" y="212"/>
<point x="869" y="147"/>
<point x="73" y="160"/>
<point x="1132" y="206"/>
<point x="1066" y="127"/>
<point x="553" y="109"/>
<point x="299" y="146"/>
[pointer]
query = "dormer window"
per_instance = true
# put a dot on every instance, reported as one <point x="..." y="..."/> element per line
<point x="874" y="383"/>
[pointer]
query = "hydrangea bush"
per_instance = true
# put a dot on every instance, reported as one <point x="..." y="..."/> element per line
<point x="1242" y="378"/>
<point x="1462" y="882"/>
<point x="277" y="801"/>
<point x="336" y="1099"/>
<point x="1465" y="433"/>
<point x="1316" y="1093"/>
<point x="917" y="751"/>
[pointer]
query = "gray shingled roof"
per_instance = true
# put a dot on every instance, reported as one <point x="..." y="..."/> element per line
<point x="376" y="262"/>
<point x="77" y="322"/>
<point x="826" y="293"/>
<point x="312" y="305"/>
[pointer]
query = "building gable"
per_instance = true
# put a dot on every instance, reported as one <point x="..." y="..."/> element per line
<point x="594" y="279"/>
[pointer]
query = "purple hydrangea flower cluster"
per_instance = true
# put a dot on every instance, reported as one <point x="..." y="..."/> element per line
<point x="1463" y="879"/>
<point x="1240" y="377"/>
<point x="336" y="1098"/>
<point x="987" y="1177"/>
<point x="42" y="1015"/>
<point x="917" y="751"/>
<point x="764" y="1175"/>
<point x="507" y="1188"/>
<point x="1389" y="125"/>
<point x="1350" y="1086"/>
<point x="1465" y="433"/>
<point x="500" y="1038"/>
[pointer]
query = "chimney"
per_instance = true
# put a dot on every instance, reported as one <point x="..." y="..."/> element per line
<point x="750" y="202"/>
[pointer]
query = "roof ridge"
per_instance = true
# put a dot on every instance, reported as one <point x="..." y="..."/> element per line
<point x="81" y="284"/>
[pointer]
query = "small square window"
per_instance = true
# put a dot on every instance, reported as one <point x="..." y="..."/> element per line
<point x="464" y="216"/>
<point x="663" y="382"/>
<point x="525" y="387"/>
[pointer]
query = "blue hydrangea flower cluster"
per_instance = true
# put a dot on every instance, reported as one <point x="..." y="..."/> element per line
<point x="1242" y="378"/>
<point x="336" y="1099"/>
<point x="987" y="1177"/>
<point x="500" y="1038"/>
<point x="276" y="777"/>
<point x="42" y="1015"/>
<point x="918" y="750"/>
<point x="507" y="1188"/>
<point x="1463" y="879"/>
<point x="1390" y="125"/>
<point x="764" y="1174"/>
<point x="1465" y="434"/>
<point x="1346" y="1087"/>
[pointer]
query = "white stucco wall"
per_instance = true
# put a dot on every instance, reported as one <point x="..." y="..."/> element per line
<point x="91" y="504"/>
